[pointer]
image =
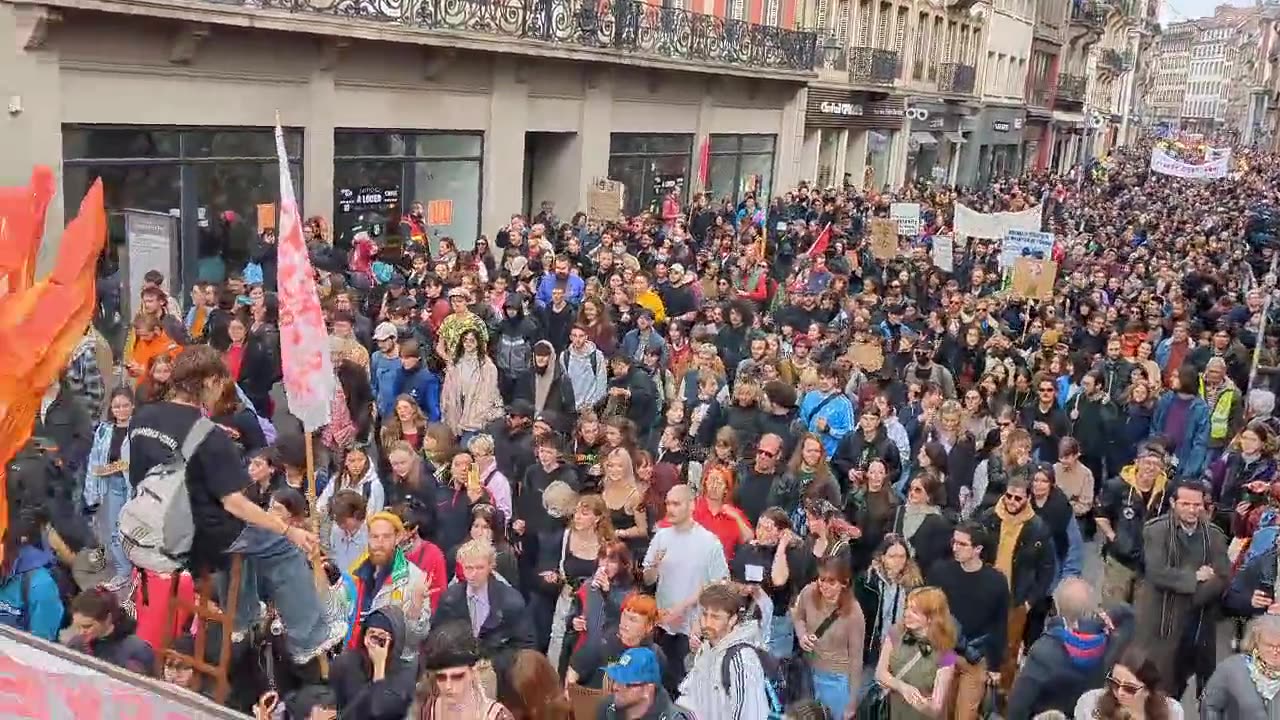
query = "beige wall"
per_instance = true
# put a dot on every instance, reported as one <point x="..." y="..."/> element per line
<point x="108" y="69"/>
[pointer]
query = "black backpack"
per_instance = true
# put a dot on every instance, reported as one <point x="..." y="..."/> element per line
<point x="775" y="680"/>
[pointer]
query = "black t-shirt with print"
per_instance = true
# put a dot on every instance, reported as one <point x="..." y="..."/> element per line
<point x="216" y="471"/>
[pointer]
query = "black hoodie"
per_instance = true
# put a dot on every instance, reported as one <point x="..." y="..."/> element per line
<point x="351" y="677"/>
<point x="559" y="397"/>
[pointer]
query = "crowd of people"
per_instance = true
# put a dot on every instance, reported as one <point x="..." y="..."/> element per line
<point x="724" y="463"/>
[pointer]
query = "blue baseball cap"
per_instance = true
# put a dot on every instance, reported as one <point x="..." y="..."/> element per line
<point x="636" y="666"/>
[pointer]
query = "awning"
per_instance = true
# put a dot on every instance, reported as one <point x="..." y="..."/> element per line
<point x="955" y="138"/>
<point x="924" y="138"/>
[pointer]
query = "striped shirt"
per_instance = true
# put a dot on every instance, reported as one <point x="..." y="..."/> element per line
<point x="745" y="698"/>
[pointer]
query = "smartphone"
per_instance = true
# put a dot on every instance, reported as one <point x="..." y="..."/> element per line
<point x="1268" y="588"/>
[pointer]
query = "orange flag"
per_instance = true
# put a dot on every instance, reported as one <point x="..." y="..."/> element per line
<point x="40" y="322"/>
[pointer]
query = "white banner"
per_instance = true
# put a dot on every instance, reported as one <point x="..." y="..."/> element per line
<point x="991" y="226"/>
<point x="1215" y="167"/>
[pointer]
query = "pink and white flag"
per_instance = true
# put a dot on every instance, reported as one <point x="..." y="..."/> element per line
<point x="309" y="382"/>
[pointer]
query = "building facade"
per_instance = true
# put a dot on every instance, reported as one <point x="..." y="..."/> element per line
<point x="896" y="82"/>
<point x="482" y="109"/>
<point x="1168" y="71"/>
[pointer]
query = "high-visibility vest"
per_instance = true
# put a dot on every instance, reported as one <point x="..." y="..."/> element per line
<point x="1220" y="414"/>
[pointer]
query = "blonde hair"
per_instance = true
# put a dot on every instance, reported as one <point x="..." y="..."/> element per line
<point x="481" y="444"/>
<point x="477" y="550"/>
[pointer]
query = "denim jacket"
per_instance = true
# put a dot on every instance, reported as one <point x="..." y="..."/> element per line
<point x="95" y="486"/>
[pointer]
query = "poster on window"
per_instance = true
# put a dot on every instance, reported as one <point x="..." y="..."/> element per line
<point x="368" y="198"/>
<point x="149" y="239"/>
<point x="663" y="184"/>
<point x="907" y="216"/>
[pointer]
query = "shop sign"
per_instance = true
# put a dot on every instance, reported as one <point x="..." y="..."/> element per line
<point x="368" y="197"/>
<point x="937" y="123"/>
<point x="1000" y="125"/>
<point x="839" y="108"/>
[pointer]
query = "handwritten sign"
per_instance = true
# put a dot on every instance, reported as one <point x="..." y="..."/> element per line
<point x="866" y="356"/>
<point x="1033" y="279"/>
<point x="907" y="215"/>
<point x="440" y="212"/>
<point x="604" y="200"/>
<point x="1025" y="243"/>
<point x="884" y="238"/>
<point x="944" y="252"/>
<point x="266" y="217"/>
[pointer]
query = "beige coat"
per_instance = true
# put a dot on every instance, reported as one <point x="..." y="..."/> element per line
<point x="468" y="403"/>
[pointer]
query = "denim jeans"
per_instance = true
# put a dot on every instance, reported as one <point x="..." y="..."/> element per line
<point x="108" y="521"/>
<point x="782" y="637"/>
<point x="832" y="690"/>
<point x="276" y="569"/>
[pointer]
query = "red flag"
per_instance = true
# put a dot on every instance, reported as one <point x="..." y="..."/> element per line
<point x="820" y="245"/>
<point x="304" y="342"/>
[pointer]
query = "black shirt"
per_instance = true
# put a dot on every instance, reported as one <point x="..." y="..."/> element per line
<point x="215" y="471"/>
<point x="117" y="442"/>
<point x="591" y="660"/>
<point x="980" y="603"/>
<point x="761" y="556"/>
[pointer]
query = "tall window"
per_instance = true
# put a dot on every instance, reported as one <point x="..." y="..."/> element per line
<point x="772" y="13"/>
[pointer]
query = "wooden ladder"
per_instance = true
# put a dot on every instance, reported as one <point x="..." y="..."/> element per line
<point x="204" y="610"/>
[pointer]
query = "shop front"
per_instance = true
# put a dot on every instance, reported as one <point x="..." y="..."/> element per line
<point x="935" y="142"/>
<point x="1037" y="137"/>
<point x="740" y="164"/>
<point x="378" y="175"/>
<point x="650" y="166"/>
<point x="998" y="141"/>
<point x="851" y="138"/>
<point x="210" y="180"/>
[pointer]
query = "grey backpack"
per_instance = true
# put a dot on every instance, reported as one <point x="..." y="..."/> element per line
<point x="156" y="527"/>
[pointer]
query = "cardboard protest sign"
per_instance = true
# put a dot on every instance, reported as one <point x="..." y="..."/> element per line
<point x="1033" y="279"/>
<point x="604" y="200"/>
<point x="266" y="217"/>
<point x="884" y="238"/>
<point x="440" y="212"/>
<point x="867" y="356"/>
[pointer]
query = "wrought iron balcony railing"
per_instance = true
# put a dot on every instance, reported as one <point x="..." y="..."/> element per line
<point x="1071" y="88"/>
<point x="1115" y="60"/>
<point x="873" y="65"/>
<point x="1089" y="12"/>
<point x="957" y="78"/>
<point x="627" y="26"/>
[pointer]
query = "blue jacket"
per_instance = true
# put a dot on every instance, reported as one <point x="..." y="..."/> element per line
<point x="1192" y="448"/>
<point x="95" y="486"/>
<point x="631" y="345"/>
<point x="1163" y="349"/>
<point x="839" y="414"/>
<point x="384" y="376"/>
<point x="424" y="387"/>
<point x="44" y="616"/>
<point x="574" y="288"/>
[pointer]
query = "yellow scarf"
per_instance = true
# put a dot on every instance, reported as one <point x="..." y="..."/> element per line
<point x="1010" y="529"/>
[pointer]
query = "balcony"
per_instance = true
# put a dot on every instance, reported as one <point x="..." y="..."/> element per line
<point x="1115" y="61"/>
<point x="630" y="27"/>
<point x="1040" y="93"/>
<point x="957" y="78"/>
<point x="1089" y="13"/>
<point x="1071" y="90"/>
<point x="874" y="66"/>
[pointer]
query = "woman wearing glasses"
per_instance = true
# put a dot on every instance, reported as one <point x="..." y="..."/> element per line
<point x="882" y="592"/>
<point x="921" y="522"/>
<point x="830" y="628"/>
<point x="1132" y="692"/>
<point x="451" y="687"/>
<point x="1245" y="686"/>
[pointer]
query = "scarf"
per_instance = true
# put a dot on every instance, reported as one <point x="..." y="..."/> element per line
<point x="1085" y="650"/>
<point x="1211" y="394"/>
<point x="542" y="385"/>
<point x="1010" y="530"/>
<point x="893" y="603"/>
<point x="913" y="517"/>
<point x="1265" y="678"/>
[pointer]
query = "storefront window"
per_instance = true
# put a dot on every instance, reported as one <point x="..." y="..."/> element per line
<point x="649" y="166"/>
<point x="878" y="144"/>
<point x="828" y="150"/>
<point x="378" y="175"/>
<point x="210" y="179"/>
<point x="740" y="164"/>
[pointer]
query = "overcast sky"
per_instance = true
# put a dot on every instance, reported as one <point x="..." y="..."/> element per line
<point x="1179" y="10"/>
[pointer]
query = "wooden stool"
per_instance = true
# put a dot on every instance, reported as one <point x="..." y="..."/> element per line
<point x="203" y="610"/>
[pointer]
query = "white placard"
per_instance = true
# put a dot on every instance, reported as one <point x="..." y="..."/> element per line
<point x="149" y="238"/>
<point x="1025" y="243"/>
<point x="944" y="252"/>
<point x="907" y="215"/>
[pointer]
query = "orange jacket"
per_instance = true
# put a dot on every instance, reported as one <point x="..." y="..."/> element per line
<point x="144" y="351"/>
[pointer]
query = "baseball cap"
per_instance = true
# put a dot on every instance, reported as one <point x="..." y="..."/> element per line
<point x="636" y="666"/>
<point x="384" y="331"/>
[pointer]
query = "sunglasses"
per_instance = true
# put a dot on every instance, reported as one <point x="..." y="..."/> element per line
<point x="1129" y="688"/>
<point x="1015" y="497"/>
<point x="767" y="453"/>
<point x="455" y="676"/>
<point x="1047" y="390"/>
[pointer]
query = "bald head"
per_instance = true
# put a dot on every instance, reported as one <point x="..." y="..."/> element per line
<point x="679" y="505"/>
<point x="1075" y="600"/>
